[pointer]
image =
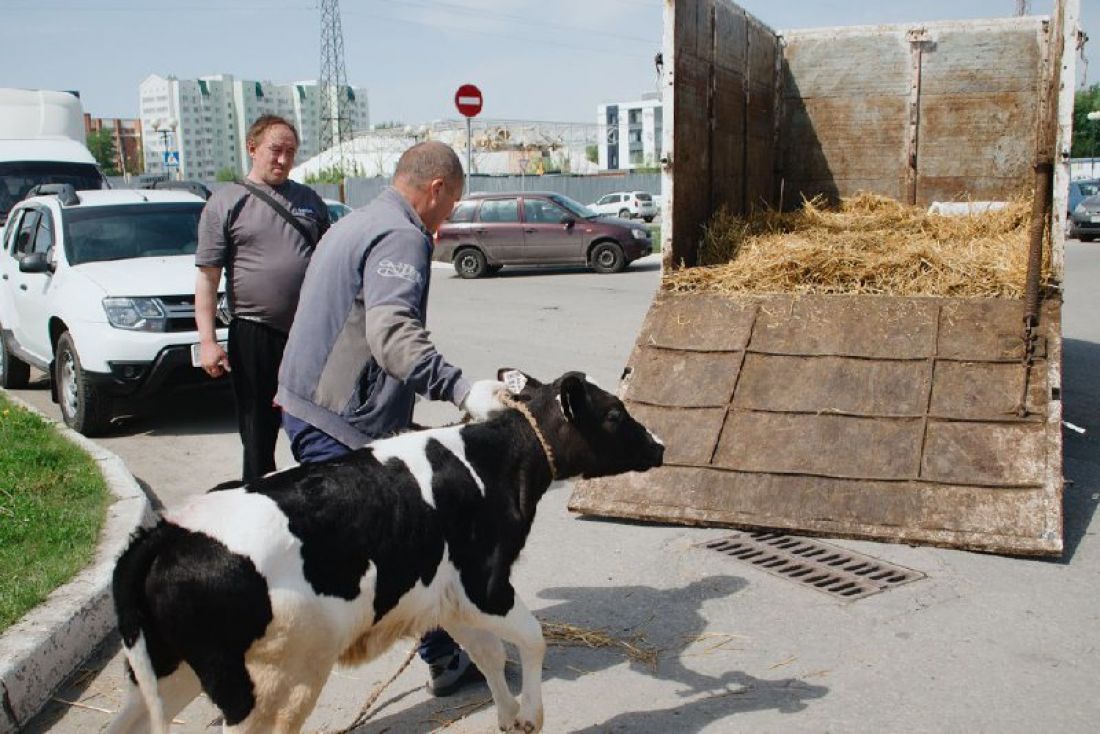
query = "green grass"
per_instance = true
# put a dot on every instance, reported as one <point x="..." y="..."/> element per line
<point x="52" y="503"/>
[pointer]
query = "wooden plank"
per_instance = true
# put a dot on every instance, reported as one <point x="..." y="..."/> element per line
<point x="989" y="454"/>
<point x="689" y="435"/>
<point x="987" y="392"/>
<point x="699" y="322"/>
<point x="683" y="379"/>
<point x="690" y="60"/>
<point x="990" y="329"/>
<point x="822" y="445"/>
<point x="999" y="520"/>
<point x="853" y="326"/>
<point x="833" y="385"/>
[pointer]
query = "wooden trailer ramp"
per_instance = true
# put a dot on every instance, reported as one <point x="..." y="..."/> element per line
<point x="861" y="416"/>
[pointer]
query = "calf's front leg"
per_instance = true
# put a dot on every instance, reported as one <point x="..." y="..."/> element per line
<point x="521" y="628"/>
<point x="487" y="652"/>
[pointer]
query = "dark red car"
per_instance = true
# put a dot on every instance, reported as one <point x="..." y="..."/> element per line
<point x="488" y="231"/>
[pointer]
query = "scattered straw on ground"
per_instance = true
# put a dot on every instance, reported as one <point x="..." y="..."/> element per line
<point x="557" y="633"/>
<point x="869" y="244"/>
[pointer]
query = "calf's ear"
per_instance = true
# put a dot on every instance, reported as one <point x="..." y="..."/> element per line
<point x="516" y="380"/>
<point x="574" y="397"/>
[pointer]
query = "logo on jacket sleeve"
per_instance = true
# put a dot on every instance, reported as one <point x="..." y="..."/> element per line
<point x="390" y="269"/>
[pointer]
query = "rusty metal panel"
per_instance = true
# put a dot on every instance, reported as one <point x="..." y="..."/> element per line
<point x="863" y="416"/>
<point x="833" y="385"/>
<point x="825" y="445"/>
<point x="855" y="326"/>
<point x="683" y="379"/>
<point x="688" y="322"/>
<point x="978" y="93"/>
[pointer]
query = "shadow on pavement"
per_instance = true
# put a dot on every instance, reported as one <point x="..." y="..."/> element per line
<point x="1080" y="407"/>
<point x="666" y="620"/>
<point x="79" y="688"/>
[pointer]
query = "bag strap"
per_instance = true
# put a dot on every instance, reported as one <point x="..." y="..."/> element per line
<point x="280" y="210"/>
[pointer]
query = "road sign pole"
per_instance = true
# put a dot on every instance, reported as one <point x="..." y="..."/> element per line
<point x="468" y="101"/>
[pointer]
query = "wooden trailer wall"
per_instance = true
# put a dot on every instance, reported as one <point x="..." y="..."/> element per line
<point x="919" y="113"/>
<point x="905" y="419"/>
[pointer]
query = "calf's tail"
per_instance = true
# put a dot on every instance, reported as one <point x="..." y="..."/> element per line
<point x="131" y="606"/>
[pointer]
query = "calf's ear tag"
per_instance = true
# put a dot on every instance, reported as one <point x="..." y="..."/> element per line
<point x="515" y="381"/>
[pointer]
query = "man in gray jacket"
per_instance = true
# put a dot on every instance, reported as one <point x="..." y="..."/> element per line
<point x="359" y="352"/>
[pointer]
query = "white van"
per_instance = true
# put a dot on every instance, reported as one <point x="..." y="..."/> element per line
<point x="42" y="141"/>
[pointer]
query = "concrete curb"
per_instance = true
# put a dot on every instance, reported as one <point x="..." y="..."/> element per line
<point x="43" y="648"/>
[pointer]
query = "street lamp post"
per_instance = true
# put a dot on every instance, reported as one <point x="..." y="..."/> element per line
<point x="166" y="127"/>
<point x="1093" y="117"/>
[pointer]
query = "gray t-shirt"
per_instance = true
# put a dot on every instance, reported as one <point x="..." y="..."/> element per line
<point x="265" y="257"/>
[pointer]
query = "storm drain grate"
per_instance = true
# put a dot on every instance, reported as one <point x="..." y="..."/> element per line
<point x="836" y="571"/>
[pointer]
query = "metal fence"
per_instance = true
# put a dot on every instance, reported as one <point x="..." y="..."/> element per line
<point x="585" y="189"/>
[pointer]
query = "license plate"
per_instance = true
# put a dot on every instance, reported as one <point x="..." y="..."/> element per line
<point x="196" y="360"/>
<point x="1094" y="220"/>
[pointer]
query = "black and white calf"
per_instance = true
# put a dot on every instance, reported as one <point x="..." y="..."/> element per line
<point x="253" y="594"/>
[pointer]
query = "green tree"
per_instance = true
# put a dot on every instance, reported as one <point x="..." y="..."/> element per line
<point x="592" y="153"/>
<point x="334" y="174"/>
<point x="102" y="145"/>
<point x="225" y="174"/>
<point x="1086" y="132"/>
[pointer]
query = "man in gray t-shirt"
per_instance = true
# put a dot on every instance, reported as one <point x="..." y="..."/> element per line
<point x="264" y="253"/>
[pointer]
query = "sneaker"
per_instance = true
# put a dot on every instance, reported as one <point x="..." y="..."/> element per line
<point x="451" y="672"/>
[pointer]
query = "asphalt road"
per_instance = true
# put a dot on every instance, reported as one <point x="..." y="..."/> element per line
<point x="984" y="643"/>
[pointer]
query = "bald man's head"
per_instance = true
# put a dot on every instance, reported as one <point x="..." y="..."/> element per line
<point x="423" y="162"/>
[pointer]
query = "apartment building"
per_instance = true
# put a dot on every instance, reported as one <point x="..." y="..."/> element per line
<point x="630" y="133"/>
<point x="204" y="121"/>
<point x="129" y="157"/>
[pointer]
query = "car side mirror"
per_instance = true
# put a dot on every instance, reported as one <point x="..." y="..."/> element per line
<point x="568" y="221"/>
<point x="35" y="262"/>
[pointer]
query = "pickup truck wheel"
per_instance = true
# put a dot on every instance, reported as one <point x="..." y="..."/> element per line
<point x="607" y="258"/>
<point x="470" y="263"/>
<point x="624" y="213"/>
<point x="14" y="372"/>
<point x="83" y="407"/>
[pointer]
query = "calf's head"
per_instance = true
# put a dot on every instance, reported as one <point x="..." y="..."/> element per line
<point x="589" y="430"/>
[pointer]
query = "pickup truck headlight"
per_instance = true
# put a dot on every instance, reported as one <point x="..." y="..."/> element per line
<point x="136" y="314"/>
<point x="640" y="234"/>
<point x="1079" y="209"/>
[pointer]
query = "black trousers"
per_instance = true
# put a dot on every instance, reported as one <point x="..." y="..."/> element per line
<point x="255" y="351"/>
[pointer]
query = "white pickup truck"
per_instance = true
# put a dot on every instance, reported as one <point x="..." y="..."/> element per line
<point x="97" y="288"/>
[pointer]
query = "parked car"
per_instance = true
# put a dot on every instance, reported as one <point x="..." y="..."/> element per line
<point x="1084" y="221"/>
<point x="97" y="288"/>
<point x="336" y="210"/>
<point x="488" y="231"/>
<point x="1080" y="189"/>
<point x="627" y="204"/>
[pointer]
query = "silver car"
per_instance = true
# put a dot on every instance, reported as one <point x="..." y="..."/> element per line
<point x="1084" y="221"/>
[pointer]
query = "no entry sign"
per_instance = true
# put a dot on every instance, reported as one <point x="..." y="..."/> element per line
<point x="468" y="100"/>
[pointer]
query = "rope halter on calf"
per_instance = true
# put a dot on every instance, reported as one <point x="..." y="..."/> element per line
<point x="511" y="402"/>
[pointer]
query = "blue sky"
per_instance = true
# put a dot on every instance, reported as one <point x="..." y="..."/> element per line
<point x="532" y="59"/>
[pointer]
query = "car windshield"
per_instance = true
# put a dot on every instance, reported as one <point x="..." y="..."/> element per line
<point x="97" y="234"/>
<point x="573" y="206"/>
<point x="643" y="196"/>
<point x="1089" y="188"/>
<point x="19" y="177"/>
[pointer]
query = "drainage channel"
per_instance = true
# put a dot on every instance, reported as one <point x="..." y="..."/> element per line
<point x="827" y="568"/>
